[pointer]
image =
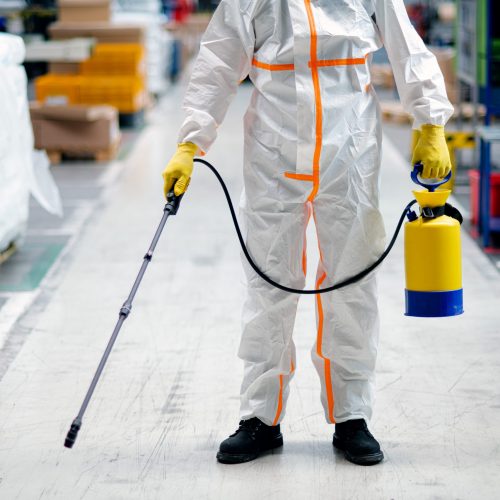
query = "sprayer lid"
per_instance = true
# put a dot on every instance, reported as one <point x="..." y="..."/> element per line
<point x="432" y="199"/>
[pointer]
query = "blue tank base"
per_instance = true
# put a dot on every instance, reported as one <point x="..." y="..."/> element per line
<point x="434" y="304"/>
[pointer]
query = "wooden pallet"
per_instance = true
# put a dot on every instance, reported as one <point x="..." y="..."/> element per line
<point x="382" y="76"/>
<point x="7" y="253"/>
<point x="393" y="111"/>
<point x="103" y="155"/>
<point x="467" y="109"/>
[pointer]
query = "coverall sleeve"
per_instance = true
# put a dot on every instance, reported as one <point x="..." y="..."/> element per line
<point x="418" y="77"/>
<point x="224" y="60"/>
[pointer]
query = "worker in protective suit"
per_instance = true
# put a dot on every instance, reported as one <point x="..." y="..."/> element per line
<point x="312" y="149"/>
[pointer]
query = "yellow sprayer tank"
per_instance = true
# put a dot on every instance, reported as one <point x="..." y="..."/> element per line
<point x="433" y="261"/>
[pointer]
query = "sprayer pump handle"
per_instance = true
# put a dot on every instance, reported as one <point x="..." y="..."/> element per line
<point x="417" y="169"/>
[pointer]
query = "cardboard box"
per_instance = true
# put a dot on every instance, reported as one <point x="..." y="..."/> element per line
<point x="75" y="129"/>
<point x="84" y="11"/>
<point x="102" y="32"/>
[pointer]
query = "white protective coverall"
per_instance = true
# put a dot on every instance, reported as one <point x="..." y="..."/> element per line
<point x="312" y="147"/>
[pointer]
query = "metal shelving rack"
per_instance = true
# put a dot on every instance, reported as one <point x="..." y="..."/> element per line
<point x="477" y="71"/>
<point x="467" y="54"/>
<point x="489" y="134"/>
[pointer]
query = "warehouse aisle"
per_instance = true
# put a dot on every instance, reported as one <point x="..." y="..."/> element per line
<point x="169" y="394"/>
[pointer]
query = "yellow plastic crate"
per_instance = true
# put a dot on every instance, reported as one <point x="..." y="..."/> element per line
<point x="58" y="88"/>
<point x="127" y="94"/>
<point x="119" y="49"/>
<point x="99" y="67"/>
<point x="115" y="59"/>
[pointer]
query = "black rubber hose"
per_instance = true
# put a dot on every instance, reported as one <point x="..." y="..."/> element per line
<point x="349" y="281"/>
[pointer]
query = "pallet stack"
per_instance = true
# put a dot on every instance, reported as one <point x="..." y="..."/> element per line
<point x="15" y="152"/>
<point x="22" y="171"/>
<point x="114" y="75"/>
<point x="80" y="104"/>
<point x="76" y="131"/>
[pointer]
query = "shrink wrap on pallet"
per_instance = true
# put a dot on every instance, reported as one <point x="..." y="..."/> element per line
<point x="21" y="172"/>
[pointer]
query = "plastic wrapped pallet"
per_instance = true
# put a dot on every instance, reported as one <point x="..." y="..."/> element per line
<point x="21" y="172"/>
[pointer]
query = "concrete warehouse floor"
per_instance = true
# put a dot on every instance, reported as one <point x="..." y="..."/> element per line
<point x="170" y="391"/>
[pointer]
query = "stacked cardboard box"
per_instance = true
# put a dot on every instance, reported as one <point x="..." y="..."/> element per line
<point x="77" y="130"/>
<point x="101" y="31"/>
<point x="114" y="75"/>
<point x="78" y="102"/>
<point x="82" y="11"/>
<point x="92" y="19"/>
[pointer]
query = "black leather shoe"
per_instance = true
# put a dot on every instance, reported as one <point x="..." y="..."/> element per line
<point x="357" y="443"/>
<point x="249" y="441"/>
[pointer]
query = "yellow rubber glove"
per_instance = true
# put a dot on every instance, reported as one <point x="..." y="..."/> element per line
<point x="432" y="152"/>
<point x="179" y="169"/>
<point x="415" y="137"/>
